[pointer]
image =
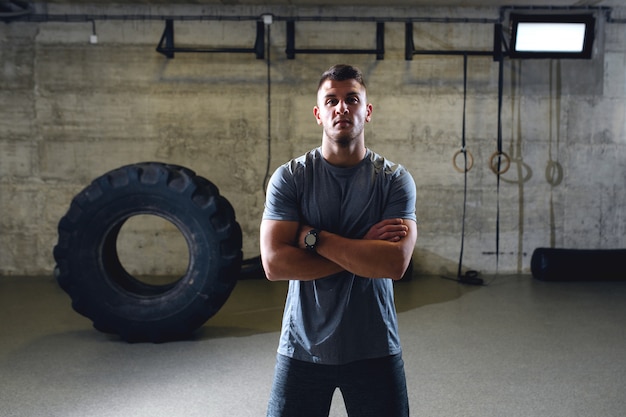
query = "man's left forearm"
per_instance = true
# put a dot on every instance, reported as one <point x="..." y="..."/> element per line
<point x="370" y="258"/>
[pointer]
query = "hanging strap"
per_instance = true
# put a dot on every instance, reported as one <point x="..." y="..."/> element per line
<point x="500" y="153"/>
<point x="471" y="277"/>
<point x="465" y="170"/>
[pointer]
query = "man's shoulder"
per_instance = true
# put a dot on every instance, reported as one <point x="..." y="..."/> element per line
<point x="303" y="160"/>
<point x="386" y="166"/>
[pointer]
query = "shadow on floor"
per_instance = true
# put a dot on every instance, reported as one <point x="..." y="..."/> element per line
<point x="256" y="306"/>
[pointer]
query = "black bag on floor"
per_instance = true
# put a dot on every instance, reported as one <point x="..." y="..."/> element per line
<point x="550" y="264"/>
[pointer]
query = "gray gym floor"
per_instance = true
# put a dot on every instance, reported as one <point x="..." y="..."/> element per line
<point x="516" y="347"/>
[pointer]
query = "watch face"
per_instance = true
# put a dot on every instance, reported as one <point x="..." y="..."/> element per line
<point x="310" y="239"/>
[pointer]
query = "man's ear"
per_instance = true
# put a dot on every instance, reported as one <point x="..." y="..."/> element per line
<point x="368" y="116"/>
<point x="316" y="114"/>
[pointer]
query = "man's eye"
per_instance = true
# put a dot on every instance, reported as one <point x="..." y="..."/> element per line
<point x="352" y="100"/>
<point x="332" y="102"/>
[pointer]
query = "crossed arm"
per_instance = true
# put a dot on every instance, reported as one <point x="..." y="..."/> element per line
<point x="384" y="252"/>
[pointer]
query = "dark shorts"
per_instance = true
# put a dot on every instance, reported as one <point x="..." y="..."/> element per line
<point x="370" y="388"/>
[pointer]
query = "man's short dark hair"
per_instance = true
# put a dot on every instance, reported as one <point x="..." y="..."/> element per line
<point x="342" y="72"/>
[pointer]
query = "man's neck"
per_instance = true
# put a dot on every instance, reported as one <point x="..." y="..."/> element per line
<point x="343" y="156"/>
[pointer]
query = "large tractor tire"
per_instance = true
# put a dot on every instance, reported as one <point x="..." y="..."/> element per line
<point x="89" y="270"/>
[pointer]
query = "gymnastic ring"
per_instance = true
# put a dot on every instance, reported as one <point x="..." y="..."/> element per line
<point x="494" y="168"/>
<point x="554" y="173"/>
<point x="470" y="161"/>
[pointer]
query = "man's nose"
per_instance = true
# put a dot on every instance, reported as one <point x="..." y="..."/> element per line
<point x="342" y="107"/>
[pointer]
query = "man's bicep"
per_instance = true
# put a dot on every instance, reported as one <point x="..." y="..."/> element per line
<point x="408" y="243"/>
<point x="279" y="254"/>
<point x="275" y="233"/>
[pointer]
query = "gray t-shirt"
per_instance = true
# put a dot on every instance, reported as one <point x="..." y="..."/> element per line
<point x="343" y="317"/>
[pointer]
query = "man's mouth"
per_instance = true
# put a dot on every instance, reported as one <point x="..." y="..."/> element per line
<point x="342" y="122"/>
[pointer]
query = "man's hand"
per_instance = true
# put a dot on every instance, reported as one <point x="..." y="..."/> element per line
<point x="391" y="230"/>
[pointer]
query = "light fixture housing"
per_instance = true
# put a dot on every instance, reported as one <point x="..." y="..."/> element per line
<point x="551" y="35"/>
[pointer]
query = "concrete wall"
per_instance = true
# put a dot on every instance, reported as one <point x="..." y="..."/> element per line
<point x="71" y="111"/>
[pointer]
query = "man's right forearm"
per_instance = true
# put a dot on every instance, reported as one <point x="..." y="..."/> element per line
<point x="284" y="260"/>
<point x="291" y="263"/>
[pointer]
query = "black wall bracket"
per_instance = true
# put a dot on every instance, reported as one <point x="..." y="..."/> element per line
<point x="292" y="50"/>
<point x="409" y="49"/>
<point x="167" y="47"/>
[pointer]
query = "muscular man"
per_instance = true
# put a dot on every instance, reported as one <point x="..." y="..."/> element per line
<point x="340" y="225"/>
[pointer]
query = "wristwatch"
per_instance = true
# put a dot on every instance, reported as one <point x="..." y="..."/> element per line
<point x="312" y="239"/>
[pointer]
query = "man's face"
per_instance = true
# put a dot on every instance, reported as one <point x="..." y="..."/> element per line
<point x="342" y="110"/>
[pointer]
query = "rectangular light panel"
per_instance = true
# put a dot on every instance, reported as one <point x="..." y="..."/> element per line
<point x="558" y="37"/>
<point x="551" y="36"/>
